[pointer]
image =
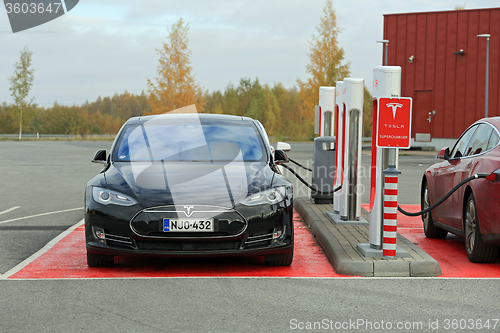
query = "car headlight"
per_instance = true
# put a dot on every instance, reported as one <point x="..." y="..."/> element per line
<point x="271" y="196"/>
<point x="106" y="197"/>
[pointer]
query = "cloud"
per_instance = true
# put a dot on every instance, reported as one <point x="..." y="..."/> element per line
<point x="107" y="46"/>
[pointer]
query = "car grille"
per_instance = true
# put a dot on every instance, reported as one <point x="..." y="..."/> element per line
<point x="227" y="222"/>
<point x="197" y="246"/>
<point x="117" y="240"/>
<point x="260" y="239"/>
<point x="188" y="234"/>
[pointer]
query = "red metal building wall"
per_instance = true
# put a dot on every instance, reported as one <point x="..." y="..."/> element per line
<point x="437" y="79"/>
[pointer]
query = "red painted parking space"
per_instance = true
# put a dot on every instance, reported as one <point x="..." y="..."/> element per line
<point x="449" y="252"/>
<point x="67" y="259"/>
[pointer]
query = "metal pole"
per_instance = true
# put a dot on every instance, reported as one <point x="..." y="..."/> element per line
<point x="352" y="173"/>
<point x="487" y="74"/>
<point x="386" y="52"/>
<point x="487" y="36"/>
<point x="386" y="42"/>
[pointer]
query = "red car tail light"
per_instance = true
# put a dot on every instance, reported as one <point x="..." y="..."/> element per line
<point x="494" y="176"/>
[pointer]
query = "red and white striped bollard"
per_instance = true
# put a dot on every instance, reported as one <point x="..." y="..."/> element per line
<point x="390" y="234"/>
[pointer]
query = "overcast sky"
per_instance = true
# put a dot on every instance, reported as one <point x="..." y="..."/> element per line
<point x="109" y="46"/>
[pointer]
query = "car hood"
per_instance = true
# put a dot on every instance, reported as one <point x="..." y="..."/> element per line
<point x="189" y="183"/>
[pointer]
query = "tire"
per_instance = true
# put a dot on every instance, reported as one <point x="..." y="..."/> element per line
<point x="477" y="251"/>
<point x="430" y="230"/>
<point x="95" y="260"/>
<point x="279" y="260"/>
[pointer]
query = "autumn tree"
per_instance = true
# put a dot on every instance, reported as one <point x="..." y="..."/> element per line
<point x="263" y="105"/>
<point x="175" y="86"/>
<point x="367" y="113"/>
<point x="277" y="108"/>
<point x="20" y="85"/>
<point x="7" y="119"/>
<point x="325" y="66"/>
<point x="289" y="122"/>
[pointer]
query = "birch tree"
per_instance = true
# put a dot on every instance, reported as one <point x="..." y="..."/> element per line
<point x="20" y="85"/>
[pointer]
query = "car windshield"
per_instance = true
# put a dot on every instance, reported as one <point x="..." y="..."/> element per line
<point x="189" y="141"/>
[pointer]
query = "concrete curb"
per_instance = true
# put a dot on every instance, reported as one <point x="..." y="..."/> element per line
<point x="345" y="258"/>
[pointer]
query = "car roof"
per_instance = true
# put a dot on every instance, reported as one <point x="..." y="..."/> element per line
<point x="495" y="121"/>
<point x="188" y="116"/>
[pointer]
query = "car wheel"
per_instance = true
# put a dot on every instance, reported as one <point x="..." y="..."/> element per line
<point x="95" y="260"/>
<point x="279" y="260"/>
<point x="477" y="251"/>
<point x="430" y="230"/>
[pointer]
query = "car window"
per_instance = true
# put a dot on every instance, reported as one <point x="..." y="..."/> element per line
<point x="479" y="141"/>
<point x="494" y="139"/>
<point x="463" y="142"/>
<point x="189" y="142"/>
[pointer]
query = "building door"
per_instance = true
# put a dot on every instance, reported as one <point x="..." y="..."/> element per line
<point x="423" y="115"/>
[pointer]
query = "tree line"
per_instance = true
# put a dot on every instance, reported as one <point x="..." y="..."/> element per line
<point x="104" y="116"/>
<point x="277" y="107"/>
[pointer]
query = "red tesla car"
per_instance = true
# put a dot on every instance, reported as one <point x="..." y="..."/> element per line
<point x="473" y="211"/>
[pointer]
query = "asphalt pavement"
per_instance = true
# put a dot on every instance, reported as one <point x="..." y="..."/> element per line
<point x="41" y="177"/>
<point x="247" y="305"/>
<point x="49" y="177"/>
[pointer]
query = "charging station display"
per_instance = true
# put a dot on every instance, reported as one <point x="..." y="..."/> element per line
<point x="394" y="122"/>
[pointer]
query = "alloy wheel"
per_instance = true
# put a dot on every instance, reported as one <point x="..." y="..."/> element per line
<point x="426" y="205"/>
<point x="470" y="225"/>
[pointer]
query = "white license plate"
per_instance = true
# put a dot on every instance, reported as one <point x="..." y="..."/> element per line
<point x="188" y="225"/>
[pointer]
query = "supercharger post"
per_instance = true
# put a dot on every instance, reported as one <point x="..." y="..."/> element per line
<point x="350" y="199"/>
<point x="339" y="142"/>
<point x="324" y="147"/>
<point x="391" y="131"/>
<point x="323" y="113"/>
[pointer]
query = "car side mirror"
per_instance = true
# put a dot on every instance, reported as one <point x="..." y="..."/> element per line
<point x="100" y="157"/>
<point x="283" y="146"/>
<point x="280" y="157"/>
<point x="444" y="154"/>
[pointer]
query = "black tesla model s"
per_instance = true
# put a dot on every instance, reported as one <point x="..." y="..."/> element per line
<point x="189" y="185"/>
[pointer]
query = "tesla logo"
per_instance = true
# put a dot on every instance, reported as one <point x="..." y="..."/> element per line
<point x="394" y="107"/>
<point x="189" y="210"/>
<point x="393" y="132"/>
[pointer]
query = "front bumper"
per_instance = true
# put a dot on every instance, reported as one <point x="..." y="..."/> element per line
<point x="125" y="235"/>
<point x="96" y="248"/>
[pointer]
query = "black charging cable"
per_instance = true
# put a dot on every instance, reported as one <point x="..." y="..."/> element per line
<point x="298" y="164"/>
<point x="306" y="184"/>
<point x="428" y="209"/>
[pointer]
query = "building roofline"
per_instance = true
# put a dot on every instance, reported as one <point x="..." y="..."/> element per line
<point x="443" y="11"/>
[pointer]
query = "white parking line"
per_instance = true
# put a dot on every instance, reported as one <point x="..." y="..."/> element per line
<point x="40" y="252"/>
<point x="43" y="214"/>
<point x="10" y="210"/>
<point x="256" y="277"/>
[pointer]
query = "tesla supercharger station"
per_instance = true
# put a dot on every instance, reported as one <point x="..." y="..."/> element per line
<point x="386" y="88"/>
<point x="386" y="83"/>
<point x="352" y="124"/>
<point x="339" y="142"/>
<point x="323" y="118"/>
<point x="324" y="147"/>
